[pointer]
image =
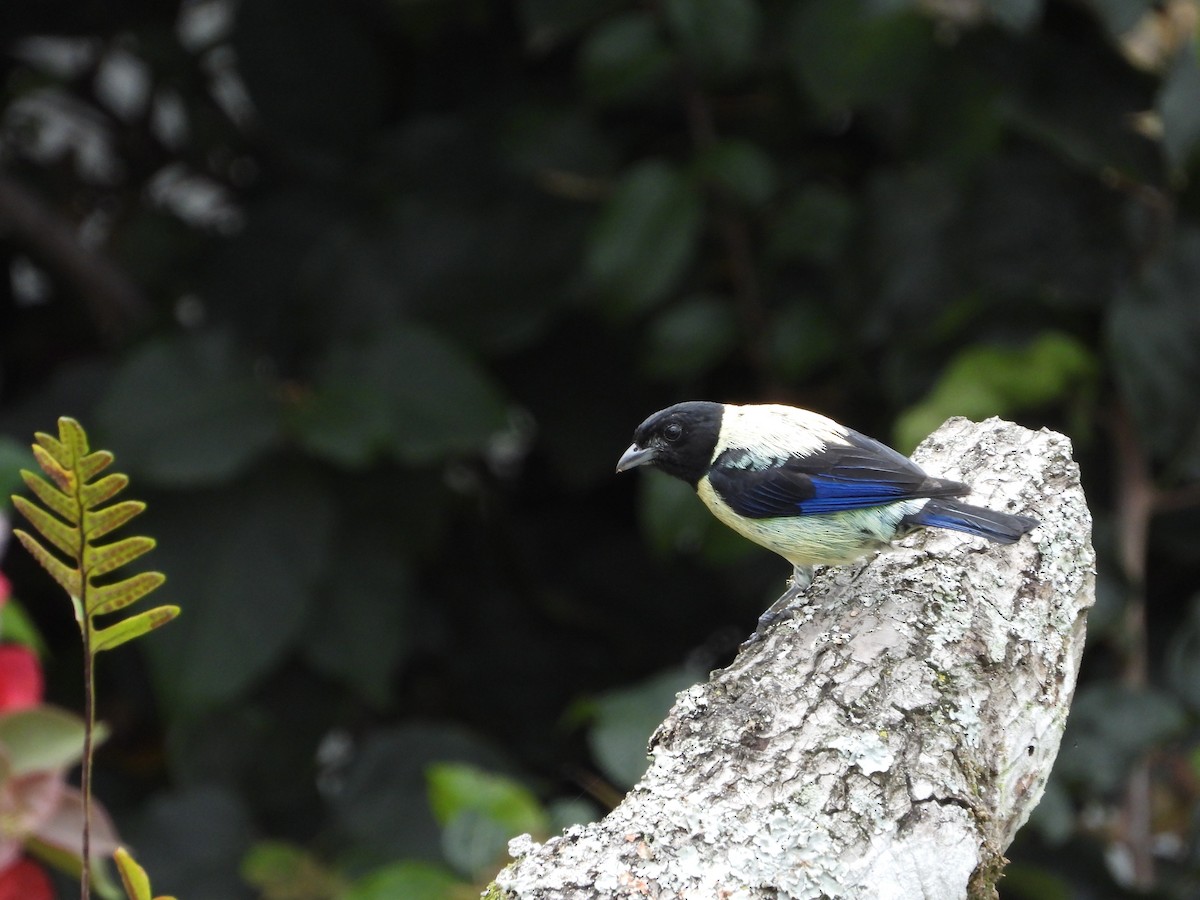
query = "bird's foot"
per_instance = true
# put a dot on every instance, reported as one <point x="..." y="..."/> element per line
<point x="781" y="609"/>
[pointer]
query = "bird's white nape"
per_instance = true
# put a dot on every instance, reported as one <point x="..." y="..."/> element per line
<point x="774" y="431"/>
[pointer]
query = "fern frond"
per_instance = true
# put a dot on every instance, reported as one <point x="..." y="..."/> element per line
<point x="71" y="519"/>
<point x="74" y="517"/>
<point x="52" y="497"/>
<point x="116" y="596"/>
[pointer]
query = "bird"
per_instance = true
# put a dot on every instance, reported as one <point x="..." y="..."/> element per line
<point x="798" y="483"/>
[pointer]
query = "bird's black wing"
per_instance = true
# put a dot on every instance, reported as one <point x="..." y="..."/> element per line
<point x="858" y="473"/>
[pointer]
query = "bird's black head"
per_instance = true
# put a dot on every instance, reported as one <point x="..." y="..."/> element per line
<point x="679" y="440"/>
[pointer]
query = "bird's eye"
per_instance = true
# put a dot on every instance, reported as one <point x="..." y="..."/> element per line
<point x="673" y="431"/>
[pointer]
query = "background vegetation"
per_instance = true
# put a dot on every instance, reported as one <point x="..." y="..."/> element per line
<point x="369" y="296"/>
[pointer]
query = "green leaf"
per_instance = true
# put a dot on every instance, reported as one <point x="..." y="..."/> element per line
<point x="118" y="595"/>
<point x="189" y="411"/>
<point x="247" y="580"/>
<point x="41" y="738"/>
<point x="739" y="169"/>
<point x="645" y="237"/>
<point x="64" y="537"/>
<point x="280" y="869"/>
<point x="1179" y="108"/>
<point x="983" y="381"/>
<point x="362" y="630"/>
<point x="383" y="806"/>
<point x="624" y="720"/>
<point x="92" y="495"/>
<point x="405" y="392"/>
<point x="14" y="458"/>
<point x="690" y="337"/>
<point x="1153" y="331"/>
<point x="194" y="837"/>
<point x="814" y="225"/>
<point x="1112" y="725"/>
<point x="480" y="812"/>
<point x="1016" y="15"/>
<point x="846" y="55"/>
<point x="98" y="523"/>
<point x="624" y="59"/>
<point x="62" y="504"/>
<point x="720" y="37"/>
<point x="17" y="627"/>
<point x="51" y="466"/>
<point x="455" y="788"/>
<point x="674" y="521"/>
<point x="135" y="626"/>
<point x="100" y="560"/>
<point x="133" y="876"/>
<point x="410" y="880"/>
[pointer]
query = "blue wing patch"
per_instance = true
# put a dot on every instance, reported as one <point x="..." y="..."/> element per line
<point x="858" y="474"/>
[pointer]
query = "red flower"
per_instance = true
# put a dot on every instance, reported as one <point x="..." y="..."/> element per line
<point x="25" y="880"/>
<point x="20" y="678"/>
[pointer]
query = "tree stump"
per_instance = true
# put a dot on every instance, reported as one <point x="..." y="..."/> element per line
<point x="885" y="742"/>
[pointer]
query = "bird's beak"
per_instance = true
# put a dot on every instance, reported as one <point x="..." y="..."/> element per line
<point x="635" y="456"/>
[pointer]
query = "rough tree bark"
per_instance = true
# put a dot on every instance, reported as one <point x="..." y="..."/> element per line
<point x="886" y="742"/>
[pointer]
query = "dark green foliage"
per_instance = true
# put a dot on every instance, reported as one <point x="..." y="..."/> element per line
<point x="440" y="258"/>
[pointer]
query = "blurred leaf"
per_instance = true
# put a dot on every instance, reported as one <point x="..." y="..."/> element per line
<point x="404" y="391"/>
<point x="802" y="338"/>
<point x="455" y="788"/>
<point x="316" y="72"/>
<point x="720" y="37"/>
<point x="133" y="876"/>
<point x="247" y="579"/>
<point x="645" y="237"/>
<point x="410" y="880"/>
<point x="480" y="812"/>
<point x="674" y="521"/>
<point x="13" y="458"/>
<point x="383" y="806"/>
<point x="280" y="869"/>
<point x="1019" y="15"/>
<point x="1025" y="882"/>
<point x="624" y="719"/>
<point x="188" y="411"/>
<point x="987" y="381"/>
<point x="361" y="630"/>
<point x="690" y="337"/>
<point x="740" y="169"/>
<point x="1179" y="108"/>
<point x="1109" y="728"/>
<point x="846" y="55"/>
<point x="814" y="225"/>
<point x="1153" y="331"/>
<point x="194" y="838"/>
<point x="567" y="811"/>
<point x="549" y="22"/>
<point x="17" y="627"/>
<point x="41" y="737"/>
<point x="1183" y="658"/>
<point x="1119" y="16"/>
<point x="1054" y="816"/>
<point x="624" y="58"/>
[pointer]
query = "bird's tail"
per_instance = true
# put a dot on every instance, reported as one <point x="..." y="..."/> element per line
<point x="1002" y="528"/>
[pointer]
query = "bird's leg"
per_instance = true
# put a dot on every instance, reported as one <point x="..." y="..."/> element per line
<point x="802" y="577"/>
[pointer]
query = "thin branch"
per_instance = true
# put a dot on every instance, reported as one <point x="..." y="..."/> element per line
<point x="116" y="304"/>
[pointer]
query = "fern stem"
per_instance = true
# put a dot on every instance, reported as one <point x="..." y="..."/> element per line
<point x="85" y="778"/>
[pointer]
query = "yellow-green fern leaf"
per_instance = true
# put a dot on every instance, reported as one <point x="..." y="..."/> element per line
<point x="132" y="627"/>
<point x="52" y="497"/>
<point x="63" y="536"/>
<point x="66" y="576"/>
<point x="116" y="596"/>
